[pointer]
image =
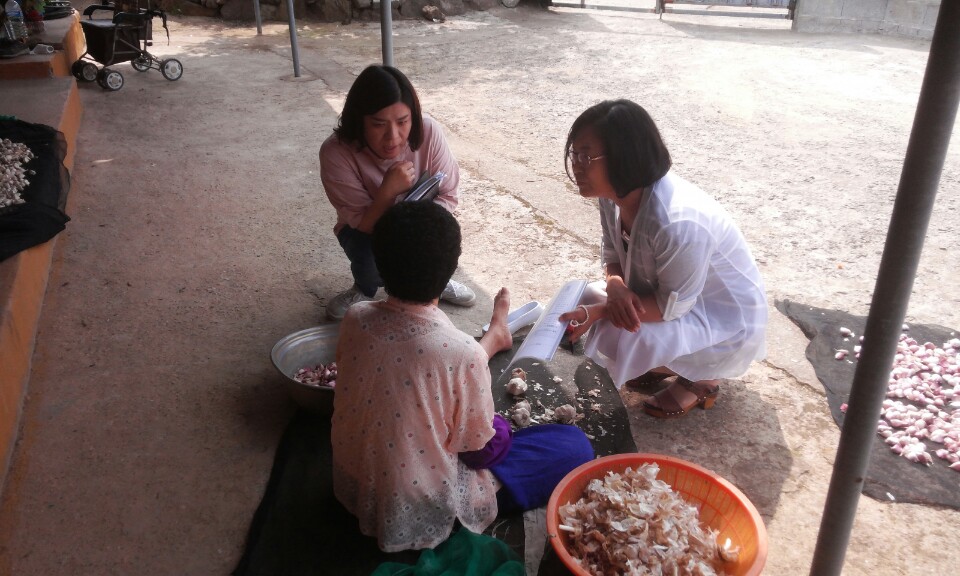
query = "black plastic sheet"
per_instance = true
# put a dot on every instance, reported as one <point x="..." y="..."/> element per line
<point x="890" y="477"/>
<point x="41" y="216"/>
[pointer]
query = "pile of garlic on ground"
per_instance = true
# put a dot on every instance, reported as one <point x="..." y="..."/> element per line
<point x="522" y="411"/>
<point x="13" y="175"/>
<point x="632" y="523"/>
<point x="923" y="400"/>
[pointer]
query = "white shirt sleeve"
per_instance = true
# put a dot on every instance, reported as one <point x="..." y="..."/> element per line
<point x="682" y="255"/>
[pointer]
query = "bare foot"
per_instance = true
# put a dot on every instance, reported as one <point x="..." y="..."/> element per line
<point x="498" y="337"/>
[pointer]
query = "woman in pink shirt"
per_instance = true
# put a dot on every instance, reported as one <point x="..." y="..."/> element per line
<point x="379" y="149"/>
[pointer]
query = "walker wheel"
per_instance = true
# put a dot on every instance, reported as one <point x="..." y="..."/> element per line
<point x="141" y="63"/>
<point x="171" y="69"/>
<point x="110" y="79"/>
<point x="88" y="71"/>
<point x="77" y="69"/>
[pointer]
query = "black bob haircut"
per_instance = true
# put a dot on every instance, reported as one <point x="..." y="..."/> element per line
<point x="633" y="148"/>
<point x="416" y="246"/>
<point x="374" y="89"/>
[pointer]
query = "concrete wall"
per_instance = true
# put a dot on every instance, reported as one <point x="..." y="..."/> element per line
<point x="912" y="18"/>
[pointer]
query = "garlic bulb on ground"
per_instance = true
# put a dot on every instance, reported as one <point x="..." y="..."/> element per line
<point x="516" y="386"/>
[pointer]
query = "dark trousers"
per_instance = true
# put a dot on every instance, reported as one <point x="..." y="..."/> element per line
<point x="357" y="246"/>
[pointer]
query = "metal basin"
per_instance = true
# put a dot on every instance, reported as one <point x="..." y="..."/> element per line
<point x="307" y="347"/>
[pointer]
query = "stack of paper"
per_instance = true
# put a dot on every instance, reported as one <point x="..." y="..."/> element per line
<point x="546" y="334"/>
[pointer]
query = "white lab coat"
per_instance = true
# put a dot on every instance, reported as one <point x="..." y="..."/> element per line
<point x="685" y="249"/>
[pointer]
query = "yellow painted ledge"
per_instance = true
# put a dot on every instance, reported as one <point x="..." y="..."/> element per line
<point x="65" y="35"/>
<point x="23" y="277"/>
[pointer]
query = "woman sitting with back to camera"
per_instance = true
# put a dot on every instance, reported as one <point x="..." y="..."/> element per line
<point x="417" y="444"/>
<point x="682" y="294"/>
<point x="377" y="152"/>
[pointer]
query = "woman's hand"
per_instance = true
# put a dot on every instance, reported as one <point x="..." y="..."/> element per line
<point x="584" y="317"/>
<point x="399" y="179"/>
<point x="623" y="305"/>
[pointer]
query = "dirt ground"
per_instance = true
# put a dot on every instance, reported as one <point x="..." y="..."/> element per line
<point x="201" y="235"/>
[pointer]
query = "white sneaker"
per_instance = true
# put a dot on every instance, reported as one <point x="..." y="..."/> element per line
<point x="457" y="293"/>
<point x="525" y="315"/>
<point x="337" y="307"/>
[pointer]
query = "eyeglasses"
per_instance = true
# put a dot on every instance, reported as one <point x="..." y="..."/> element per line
<point x="582" y="159"/>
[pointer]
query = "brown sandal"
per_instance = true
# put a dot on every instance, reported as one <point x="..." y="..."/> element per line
<point x="647" y="379"/>
<point x="668" y="406"/>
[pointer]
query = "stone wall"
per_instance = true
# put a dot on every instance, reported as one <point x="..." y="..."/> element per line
<point x="914" y="18"/>
<point x="325" y="10"/>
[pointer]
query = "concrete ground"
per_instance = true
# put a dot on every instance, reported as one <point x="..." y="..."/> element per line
<point x="201" y="235"/>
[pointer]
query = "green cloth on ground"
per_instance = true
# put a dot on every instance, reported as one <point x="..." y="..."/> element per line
<point x="463" y="554"/>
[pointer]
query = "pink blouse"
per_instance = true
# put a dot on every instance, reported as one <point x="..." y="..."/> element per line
<point x="348" y="175"/>
<point x="412" y="392"/>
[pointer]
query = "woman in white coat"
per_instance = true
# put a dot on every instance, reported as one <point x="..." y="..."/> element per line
<point x="682" y="296"/>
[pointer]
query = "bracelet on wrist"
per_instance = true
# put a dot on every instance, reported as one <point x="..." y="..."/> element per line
<point x="586" y="316"/>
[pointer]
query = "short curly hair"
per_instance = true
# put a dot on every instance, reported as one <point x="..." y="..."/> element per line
<point x="416" y="246"/>
<point x="374" y="89"/>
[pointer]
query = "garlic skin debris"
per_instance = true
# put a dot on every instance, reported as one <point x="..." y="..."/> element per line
<point x="633" y="523"/>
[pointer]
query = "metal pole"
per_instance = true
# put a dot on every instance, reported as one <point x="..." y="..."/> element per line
<point x="294" y="48"/>
<point x="386" y="31"/>
<point x="922" y="166"/>
<point x="256" y="14"/>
